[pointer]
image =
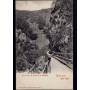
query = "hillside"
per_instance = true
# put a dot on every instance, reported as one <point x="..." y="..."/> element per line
<point x="61" y="31"/>
<point x="31" y="42"/>
<point x="44" y="30"/>
<point x="34" y="16"/>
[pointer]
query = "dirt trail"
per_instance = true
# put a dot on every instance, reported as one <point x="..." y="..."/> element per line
<point x="56" y="66"/>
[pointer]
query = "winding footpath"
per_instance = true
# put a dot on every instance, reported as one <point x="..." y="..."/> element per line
<point x="57" y="66"/>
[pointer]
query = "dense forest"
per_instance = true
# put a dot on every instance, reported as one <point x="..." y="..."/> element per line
<point x="31" y="41"/>
<point x="44" y="30"/>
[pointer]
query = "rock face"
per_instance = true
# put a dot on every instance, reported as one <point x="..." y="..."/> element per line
<point x="61" y="28"/>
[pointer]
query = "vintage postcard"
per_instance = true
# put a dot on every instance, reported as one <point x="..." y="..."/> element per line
<point x="44" y="44"/>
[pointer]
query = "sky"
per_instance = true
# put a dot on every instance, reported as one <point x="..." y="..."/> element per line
<point x="33" y="5"/>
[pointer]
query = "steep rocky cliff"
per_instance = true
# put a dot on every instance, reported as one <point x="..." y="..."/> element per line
<point x="61" y="28"/>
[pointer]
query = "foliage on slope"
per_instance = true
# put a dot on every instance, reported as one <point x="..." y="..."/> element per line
<point x="61" y="28"/>
<point x="29" y="40"/>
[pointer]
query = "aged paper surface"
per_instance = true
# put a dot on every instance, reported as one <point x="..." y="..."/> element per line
<point x="39" y="63"/>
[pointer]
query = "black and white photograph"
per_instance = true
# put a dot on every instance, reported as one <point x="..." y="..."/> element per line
<point x="44" y="45"/>
<point x="44" y="42"/>
<point x="44" y="37"/>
